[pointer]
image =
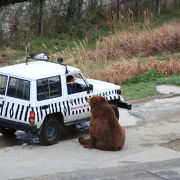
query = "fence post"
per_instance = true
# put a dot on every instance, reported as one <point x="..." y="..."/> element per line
<point x="41" y="17"/>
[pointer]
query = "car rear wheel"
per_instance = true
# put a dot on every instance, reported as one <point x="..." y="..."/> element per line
<point x="7" y="131"/>
<point x="50" y="132"/>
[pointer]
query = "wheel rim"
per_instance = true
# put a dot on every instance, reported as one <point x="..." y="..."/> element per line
<point x="51" y="132"/>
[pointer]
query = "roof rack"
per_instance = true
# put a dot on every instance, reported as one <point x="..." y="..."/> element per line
<point x="44" y="57"/>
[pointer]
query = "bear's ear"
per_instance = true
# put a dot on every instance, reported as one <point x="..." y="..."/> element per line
<point x="97" y="100"/>
<point x="102" y="100"/>
<point x="91" y="100"/>
<point x="88" y="100"/>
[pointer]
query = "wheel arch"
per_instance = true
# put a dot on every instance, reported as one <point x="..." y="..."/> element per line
<point x="114" y="106"/>
<point x="59" y="116"/>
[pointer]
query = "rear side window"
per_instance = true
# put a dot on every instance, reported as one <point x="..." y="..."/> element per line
<point x="19" y="88"/>
<point x="3" y="82"/>
<point x="48" y="88"/>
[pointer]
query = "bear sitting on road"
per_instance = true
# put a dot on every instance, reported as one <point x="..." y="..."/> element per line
<point x="105" y="131"/>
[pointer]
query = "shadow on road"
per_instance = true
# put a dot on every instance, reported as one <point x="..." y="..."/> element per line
<point x="21" y="138"/>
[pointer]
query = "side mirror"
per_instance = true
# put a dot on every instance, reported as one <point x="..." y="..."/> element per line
<point x="60" y="60"/>
<point x="91" y="87"/>
<point x="31" y="55"/>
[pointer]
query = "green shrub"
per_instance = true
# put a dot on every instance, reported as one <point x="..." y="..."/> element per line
<point x="148" y="76"/>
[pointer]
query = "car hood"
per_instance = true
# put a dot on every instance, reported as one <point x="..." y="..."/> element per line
<point x="99" y="85"/>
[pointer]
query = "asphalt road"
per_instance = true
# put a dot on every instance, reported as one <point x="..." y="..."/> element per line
<point x="163" y="170"/>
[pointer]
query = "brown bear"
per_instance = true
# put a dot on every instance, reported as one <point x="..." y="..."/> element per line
<point x="105" y="131"/>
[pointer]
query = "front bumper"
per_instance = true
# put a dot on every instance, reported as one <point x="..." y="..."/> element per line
<point x="124" y="105"/>
<point x="18" y="126"/>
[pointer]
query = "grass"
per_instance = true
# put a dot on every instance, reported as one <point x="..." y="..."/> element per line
<point x="168" y="57"/>
<point x="144" y="89"/>
<point x="166" y="18"/>
<point x="45" y="44"/>
<point x="139" y="90"/>
<point x="148" y="76"/>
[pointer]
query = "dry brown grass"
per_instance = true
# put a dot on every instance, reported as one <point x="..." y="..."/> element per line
<point x="125" y="44"/>
<point x="152" y="42"/>
<point x="110" y="60"/>
<point x="121" y="71"/>
<point x="7" y="54"/>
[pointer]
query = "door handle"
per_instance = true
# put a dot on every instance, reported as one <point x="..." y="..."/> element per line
<point x="70" y="101"/>
<point x="1" y="98"/>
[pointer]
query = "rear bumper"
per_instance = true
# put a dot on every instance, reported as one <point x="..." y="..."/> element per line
<point x="18" y="126"/>
<point x="124" y="105"/>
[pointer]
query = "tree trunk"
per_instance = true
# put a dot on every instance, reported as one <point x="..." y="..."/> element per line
<point x="71" y="9"/>
<point x="92" y="5"/>
<point x="74" y="9"/>
<point x="158" y="7"/>
<point x="175" y="4"/>
<point x="79" y="7"/>
<point x="118" y="10"/>
<point x="1" y="31"/>
<point x="138" y="8"/>
<point x="165" y="6"/>
<point x="41" y="17"/>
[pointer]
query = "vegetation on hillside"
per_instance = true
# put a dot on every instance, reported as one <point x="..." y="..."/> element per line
<point x="137" y="51"/>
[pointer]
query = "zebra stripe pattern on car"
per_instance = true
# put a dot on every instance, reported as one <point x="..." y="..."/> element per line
<point x="14" y="111"/>
<point x="21" y="112"/>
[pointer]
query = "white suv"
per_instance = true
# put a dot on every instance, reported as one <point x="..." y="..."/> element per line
<point x="34" y="97"/>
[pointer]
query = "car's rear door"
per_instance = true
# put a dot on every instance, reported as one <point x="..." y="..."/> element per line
<point x="17" y="104"/>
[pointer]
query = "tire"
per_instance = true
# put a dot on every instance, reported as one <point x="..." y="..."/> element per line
<point x="7" y="131"/>
<point x="115" y="109"/>
<point x="50" y="132"/>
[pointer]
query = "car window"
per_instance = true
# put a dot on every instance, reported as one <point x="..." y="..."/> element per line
<point x="48" y="88"/>
<point x="18" y="88"/>
<point x="75" y="83"/>
<point x="3" y="83"/>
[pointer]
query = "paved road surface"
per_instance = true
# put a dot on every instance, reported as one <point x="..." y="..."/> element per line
<point x="164" y="170"/>
<point x="145" y="143"/>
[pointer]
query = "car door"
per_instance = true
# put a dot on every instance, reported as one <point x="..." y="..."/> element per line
<point x="78" y="107"/>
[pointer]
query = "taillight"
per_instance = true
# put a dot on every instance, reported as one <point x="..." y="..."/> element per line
<point x="32" y="118"/>
<point x="119" y="91"/>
